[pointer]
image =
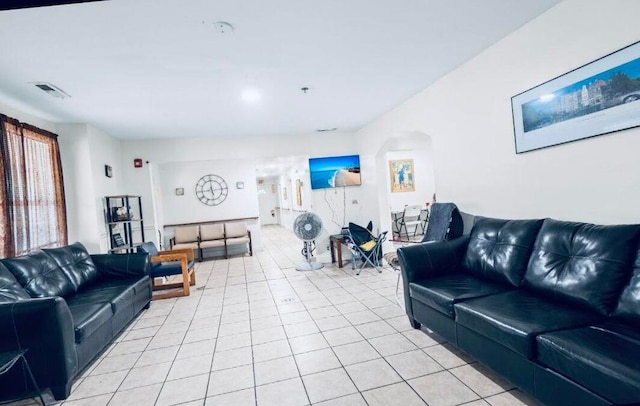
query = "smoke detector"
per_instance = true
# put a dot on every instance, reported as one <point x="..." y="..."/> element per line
<point x="51" y="90"/>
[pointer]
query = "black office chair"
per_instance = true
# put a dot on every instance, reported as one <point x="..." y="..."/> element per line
<point x="365" y="246"/>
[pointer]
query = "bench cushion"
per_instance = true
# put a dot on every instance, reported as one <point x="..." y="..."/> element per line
<point x="211" y="232"/>
<point x="603" y="358"/>
<point x="442" y="292"/>
<point x="515" y="318"/>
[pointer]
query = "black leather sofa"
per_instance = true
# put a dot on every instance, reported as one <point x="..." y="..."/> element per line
<point x="552" y="306"/>
<point x="65" y="306"/>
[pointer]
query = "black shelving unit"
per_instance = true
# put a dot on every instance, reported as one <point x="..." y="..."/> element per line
<point x="122" y="212"/>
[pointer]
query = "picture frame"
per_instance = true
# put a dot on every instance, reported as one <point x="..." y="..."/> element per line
<point x="108" y="171"/>
<point x="598" y="98"/>
<point x="179" y="191"/>
<point x="298" y="192"/>
<point x="402" y="175"/>
<point x="239" y="185"/>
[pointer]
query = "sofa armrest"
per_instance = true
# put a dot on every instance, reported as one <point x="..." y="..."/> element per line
<point x="45" y="327"/>
<point x="421" y="261"/>
<point x="121" y="265"/>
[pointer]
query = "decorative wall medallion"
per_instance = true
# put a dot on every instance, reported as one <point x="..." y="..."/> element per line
<point x="211" y="190"/>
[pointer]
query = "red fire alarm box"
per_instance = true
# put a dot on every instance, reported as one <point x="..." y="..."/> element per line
<point x="137" y="163"/>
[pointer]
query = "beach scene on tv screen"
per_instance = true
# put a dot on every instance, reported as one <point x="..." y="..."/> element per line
<point x="334" y="171"/>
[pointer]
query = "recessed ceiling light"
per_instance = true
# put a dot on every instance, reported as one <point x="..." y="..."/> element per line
<point x="250" y="95"/>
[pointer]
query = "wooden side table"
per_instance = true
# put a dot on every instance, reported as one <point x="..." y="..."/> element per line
<point x="335" y="243"/>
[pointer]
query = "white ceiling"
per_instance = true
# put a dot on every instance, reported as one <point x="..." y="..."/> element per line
<point x="140" y="69"/>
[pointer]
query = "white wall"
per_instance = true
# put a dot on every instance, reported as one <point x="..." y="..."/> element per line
<point x="84" y="152"/>
<point x="468" y="116"/>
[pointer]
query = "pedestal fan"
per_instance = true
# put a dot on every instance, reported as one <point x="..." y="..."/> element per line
<point x="307" y="227"/>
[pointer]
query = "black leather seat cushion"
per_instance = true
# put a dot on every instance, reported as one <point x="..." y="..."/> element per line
<point x="88" y="317"/>
<point x="515" y="318"/>
<point x="168" y="269"/>
<point x="442" y="292"/>
<point x="603" y="358"/>
<point x="499" y="250"/>
<point x="582" y="263"/>
<point x="117" y="292"/>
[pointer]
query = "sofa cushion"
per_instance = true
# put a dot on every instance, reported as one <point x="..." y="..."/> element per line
<point x="75" y="262"/>
<point x="629" y="302"/>
<point x="583" y="263"/>
<point x="442" y="292"/>
<point x="515" y="318"/>
<point x="40" y="275"/>
<point x="10" y="288"/>
<point x="500" y="249"/>
<point x="89" y="317"/>
<point x="603" y="358"/>
<point x="117" y="292"/>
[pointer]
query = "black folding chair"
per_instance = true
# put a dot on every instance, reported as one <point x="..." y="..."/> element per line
<point x="365" y="246"/>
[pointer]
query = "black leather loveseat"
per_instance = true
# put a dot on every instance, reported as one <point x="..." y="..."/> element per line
<point x="65" y="306"/>
<point x="552" y="306"/>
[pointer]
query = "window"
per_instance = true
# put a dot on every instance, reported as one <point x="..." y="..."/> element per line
<point x="34" y="215"/>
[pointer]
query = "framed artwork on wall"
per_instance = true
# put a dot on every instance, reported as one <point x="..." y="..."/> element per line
<point x="401" y="175"/>
<point x="298" y="192"/>
<point x="598" y="98"/>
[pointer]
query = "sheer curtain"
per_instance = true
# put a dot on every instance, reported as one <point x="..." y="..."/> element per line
<point x="34" y="215"/>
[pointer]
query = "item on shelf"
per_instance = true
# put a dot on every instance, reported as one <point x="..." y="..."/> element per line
<point x="118" y="241"/>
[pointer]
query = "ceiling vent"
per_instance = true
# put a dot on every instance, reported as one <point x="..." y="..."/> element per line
<point x="326" y="130"/>
<point x="51" y="90"/>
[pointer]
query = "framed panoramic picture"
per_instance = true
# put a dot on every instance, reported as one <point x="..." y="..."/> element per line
<point x="598" y="98"/>
<point x="402" y="175"/>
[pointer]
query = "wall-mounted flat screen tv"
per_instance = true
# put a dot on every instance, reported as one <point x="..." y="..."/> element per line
<point x="334" y="171"/>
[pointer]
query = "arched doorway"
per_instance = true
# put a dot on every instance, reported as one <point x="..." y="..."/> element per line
<point x="410" y="145"/>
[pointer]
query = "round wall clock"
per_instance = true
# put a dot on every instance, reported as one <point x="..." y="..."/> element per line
<point x="211" y="190"/>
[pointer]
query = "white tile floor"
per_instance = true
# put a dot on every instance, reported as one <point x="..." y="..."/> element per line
<point x="257" y="332"/>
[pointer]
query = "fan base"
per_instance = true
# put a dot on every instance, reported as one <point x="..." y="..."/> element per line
<point x="309" y="266"/>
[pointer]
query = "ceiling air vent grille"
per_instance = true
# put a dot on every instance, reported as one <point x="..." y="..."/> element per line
<point x="51" y="90"/>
